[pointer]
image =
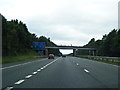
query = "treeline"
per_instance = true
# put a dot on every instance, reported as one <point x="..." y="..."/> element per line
<point x="16" y="38"/>
<point x="108" y="46"/>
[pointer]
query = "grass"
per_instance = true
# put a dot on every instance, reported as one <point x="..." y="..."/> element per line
<point x="110" y="62"/>
<point x="23" y="57"/>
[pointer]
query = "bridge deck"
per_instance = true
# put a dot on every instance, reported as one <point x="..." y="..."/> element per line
<point x="69" y="47"/>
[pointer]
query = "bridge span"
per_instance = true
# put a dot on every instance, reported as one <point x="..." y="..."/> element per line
<point x="42" y="48"/>
<point x="94" y="50"/>
<point x="70" y="47"/>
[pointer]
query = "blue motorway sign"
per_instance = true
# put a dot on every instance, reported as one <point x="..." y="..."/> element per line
<point x="38" y="45"/>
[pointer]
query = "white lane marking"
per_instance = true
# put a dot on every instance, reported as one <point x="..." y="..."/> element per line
<point x="19" y="82"/>
<point x="28" y="76"/>
<point x="44" y="66"/>
<point x="39" y="70"/>
<point x="86" y="70"/>
<point x="77" y="63"/>
<point x="21" y="64"/>
<point x="34" y="72"/>
<point x="48" y="64"/>
<point x="9" y="88"/>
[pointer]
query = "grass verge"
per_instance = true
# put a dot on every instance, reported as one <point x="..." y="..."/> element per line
<point x="23" y="57"/>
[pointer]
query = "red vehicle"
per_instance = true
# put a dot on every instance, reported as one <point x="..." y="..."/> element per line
<point x="51" y="56"/>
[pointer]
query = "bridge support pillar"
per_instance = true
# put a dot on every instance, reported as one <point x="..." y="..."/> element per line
<point x="93" y="52"/>
<point x="46" y="52"/>
<point x="74" y="52"/>
<point x="89" y="52"/>
<point x="96" y="52"/>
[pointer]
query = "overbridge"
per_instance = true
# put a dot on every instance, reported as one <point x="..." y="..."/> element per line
<point x="93" y="50"/>
<point x="69" y="47"/>
<point x="41" y="47"/>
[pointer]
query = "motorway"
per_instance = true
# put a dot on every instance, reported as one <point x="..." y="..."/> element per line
<point x="61" y="72"/>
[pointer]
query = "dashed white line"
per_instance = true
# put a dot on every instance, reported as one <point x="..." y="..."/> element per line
<point x="9" y="88"/>
<point x="48" y="64"/>
<point x="86" y="70"/>
<point x="77" y="63"/>
<point x="34" y="72"/>
<point x="44" y="66"/>
<point x="28" y="76"/>
<point x="39" y="70"/>
<point x="19" y="82"/>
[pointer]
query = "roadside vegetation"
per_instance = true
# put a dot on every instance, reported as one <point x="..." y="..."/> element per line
<point x="109" y="45"/>
<point x="17" y="41"/>
<point x="32" y="55"/>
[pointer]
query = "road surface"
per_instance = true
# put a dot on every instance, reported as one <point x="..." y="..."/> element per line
<point x="61" y="72"/>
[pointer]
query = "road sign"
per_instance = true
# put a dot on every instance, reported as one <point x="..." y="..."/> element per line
<point x="38" y="45"/>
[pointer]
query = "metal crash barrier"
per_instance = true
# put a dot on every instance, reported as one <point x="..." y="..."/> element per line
<point x="113" y="59"/>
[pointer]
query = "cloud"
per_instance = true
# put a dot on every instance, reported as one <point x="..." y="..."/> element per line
<point x="64" y="21"/>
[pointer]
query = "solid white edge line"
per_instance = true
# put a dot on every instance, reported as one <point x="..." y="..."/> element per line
<point x="19" y="82"/>
<point x="28" y="76"/>
<point x="103" y="63"/>
<point x="86" y="70"/>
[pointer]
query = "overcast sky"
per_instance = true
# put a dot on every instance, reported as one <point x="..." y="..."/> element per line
<point x="66" y="22"/>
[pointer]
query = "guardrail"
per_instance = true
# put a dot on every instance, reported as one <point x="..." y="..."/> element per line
<point x="112" y="59"/>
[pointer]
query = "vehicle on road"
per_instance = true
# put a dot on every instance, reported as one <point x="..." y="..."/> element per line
<point x="51" y="56"/>
<point x="63" y="55"/>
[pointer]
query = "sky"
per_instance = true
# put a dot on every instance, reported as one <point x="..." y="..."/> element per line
<point x="66" y="22"/>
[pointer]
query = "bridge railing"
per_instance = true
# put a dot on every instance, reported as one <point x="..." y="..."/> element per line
<point x="112" y="59"/>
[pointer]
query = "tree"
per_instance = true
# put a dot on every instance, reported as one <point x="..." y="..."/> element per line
<point x="108" y="46"/>
<point x="17" y="39"/>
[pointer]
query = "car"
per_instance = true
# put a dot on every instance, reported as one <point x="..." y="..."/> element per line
<point x="63" y="55"/>
<point x="51" y="56"/>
